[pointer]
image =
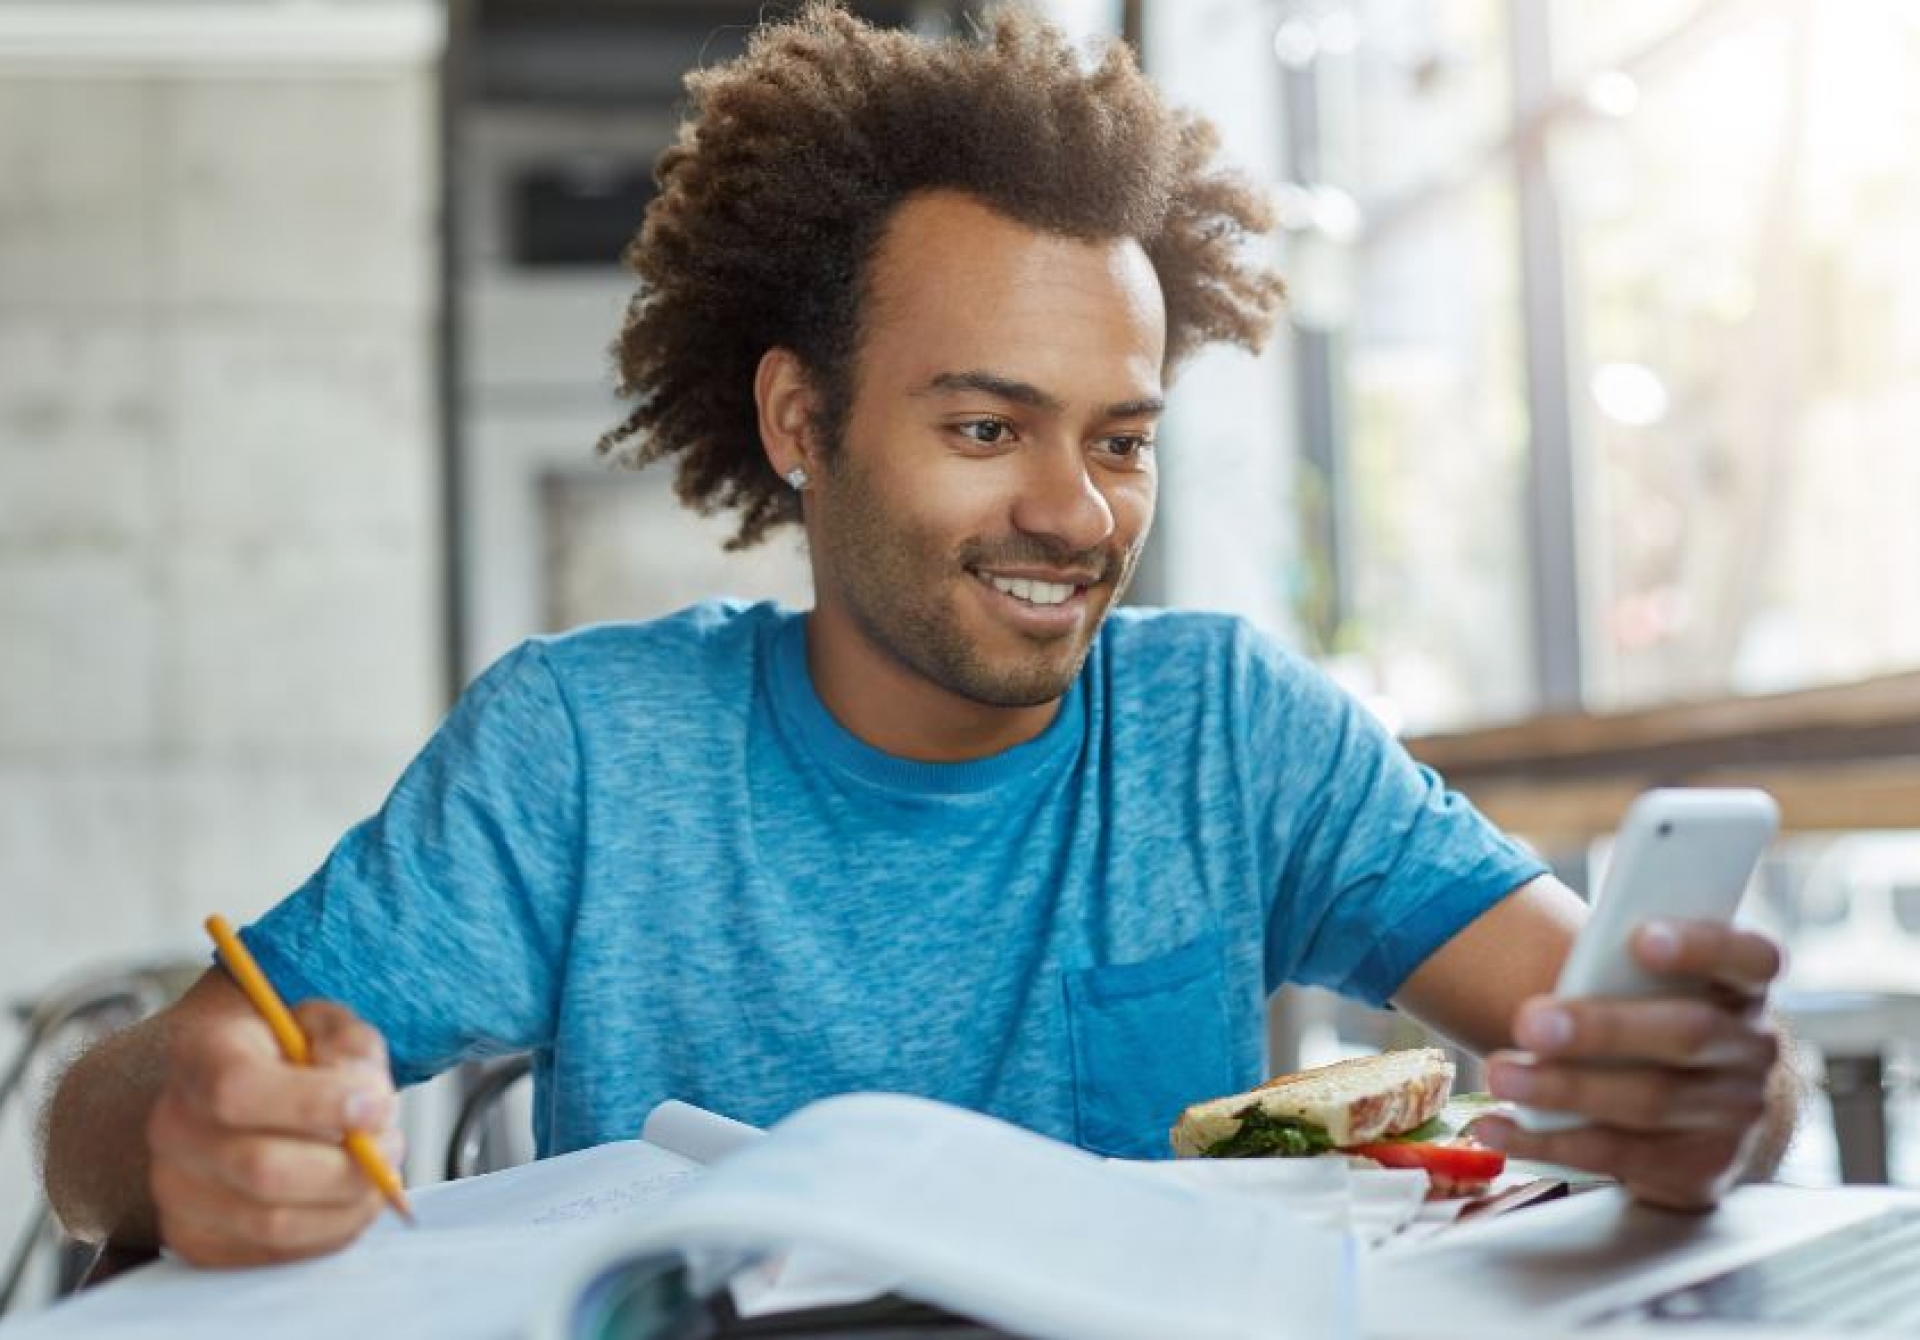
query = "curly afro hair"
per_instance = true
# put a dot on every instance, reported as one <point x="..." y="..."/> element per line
<point x="793" y="158"/>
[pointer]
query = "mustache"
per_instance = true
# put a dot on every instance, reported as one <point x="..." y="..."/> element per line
<point x="1100" y="563"/>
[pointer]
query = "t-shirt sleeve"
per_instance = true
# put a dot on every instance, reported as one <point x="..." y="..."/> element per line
<point x="1378" y="862"/>
<point x="443" y="919"/>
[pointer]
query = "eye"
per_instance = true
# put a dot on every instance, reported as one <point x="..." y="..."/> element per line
<point x="1128" y="446"/>
<point x="986" y="432"/>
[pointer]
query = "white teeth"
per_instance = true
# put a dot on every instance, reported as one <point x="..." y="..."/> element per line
<point x="1034" y="593"/>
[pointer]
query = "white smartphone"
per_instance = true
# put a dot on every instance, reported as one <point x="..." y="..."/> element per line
<point x="1679" y="855"/>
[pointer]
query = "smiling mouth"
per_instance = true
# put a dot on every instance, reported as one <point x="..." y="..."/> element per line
<point x="1032" y="590"/>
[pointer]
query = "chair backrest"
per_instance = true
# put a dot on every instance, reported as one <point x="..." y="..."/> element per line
<point x="491" y="1129"/>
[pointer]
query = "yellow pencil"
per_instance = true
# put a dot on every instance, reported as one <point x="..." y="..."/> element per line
<point x="293" y="1044"/>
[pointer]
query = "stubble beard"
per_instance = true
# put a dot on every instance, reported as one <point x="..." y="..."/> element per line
<point x="899" y="590"/>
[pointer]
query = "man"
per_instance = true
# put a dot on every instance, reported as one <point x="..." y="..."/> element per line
<point x="962" y="829"/>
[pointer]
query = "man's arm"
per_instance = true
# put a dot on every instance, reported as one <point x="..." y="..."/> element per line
<point x="1683" y="1095"/>
<point x="190" y="1129"/>
<point x="1472" y="986"/>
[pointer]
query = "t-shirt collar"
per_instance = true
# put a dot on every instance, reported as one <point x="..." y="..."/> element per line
<point x="799" y="706"/>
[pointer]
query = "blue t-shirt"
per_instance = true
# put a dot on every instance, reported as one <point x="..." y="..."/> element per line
<point x="648" y="854"/>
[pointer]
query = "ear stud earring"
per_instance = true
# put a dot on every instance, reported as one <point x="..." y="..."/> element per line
<point x="797" y="477"/>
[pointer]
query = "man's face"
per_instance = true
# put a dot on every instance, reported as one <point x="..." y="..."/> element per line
<point x="996" y="479"/>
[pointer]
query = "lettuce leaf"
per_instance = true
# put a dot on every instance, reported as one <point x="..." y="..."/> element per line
<point x="1261" y="1135"/>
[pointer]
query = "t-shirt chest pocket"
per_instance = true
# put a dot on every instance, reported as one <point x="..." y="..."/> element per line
<point x="1147" y="1039"/>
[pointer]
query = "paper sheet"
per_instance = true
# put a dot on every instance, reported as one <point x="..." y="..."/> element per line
<point x="585" y="1187"/>
<point x="1374" y="1204"/>
<point x="468" y="1284"/>
<point x="806" y="1278"/>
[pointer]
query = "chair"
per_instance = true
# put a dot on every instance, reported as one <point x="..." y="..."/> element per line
<point x="1856" y="1033"/>
<point x="486" y="1135"/>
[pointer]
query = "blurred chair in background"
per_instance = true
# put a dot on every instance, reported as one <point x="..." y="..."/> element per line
<point x="1865" y="1041"/>
<point x="494" y="1126"/>
<point x="1851" y="921"/>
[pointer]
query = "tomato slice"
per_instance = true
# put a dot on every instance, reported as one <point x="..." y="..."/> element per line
<point x="1457" y="1166"/>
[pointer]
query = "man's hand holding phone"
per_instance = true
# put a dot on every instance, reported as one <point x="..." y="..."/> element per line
<point x="1652" y="1060"/>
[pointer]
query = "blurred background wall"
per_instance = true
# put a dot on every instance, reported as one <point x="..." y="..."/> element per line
<point x="220" y="529"/>
<point x="219" y="526"/>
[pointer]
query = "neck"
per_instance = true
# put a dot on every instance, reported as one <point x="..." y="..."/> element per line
<point x="897" y="710"/>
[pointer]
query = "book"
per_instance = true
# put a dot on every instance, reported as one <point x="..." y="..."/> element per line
<point x="989" y="1221"/>
<point x="897" y="1205"/>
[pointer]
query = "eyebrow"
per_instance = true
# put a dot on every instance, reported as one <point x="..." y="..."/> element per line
<point x="1025" y="393"/>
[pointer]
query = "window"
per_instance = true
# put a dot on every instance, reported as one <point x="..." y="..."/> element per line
<point x="1402" y="267"/>
<point x="1697" y="215"/>
<point x="1748" y="338"/>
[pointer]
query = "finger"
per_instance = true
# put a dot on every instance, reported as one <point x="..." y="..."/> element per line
<point x="210" y="1224"/>
<point x="1672" y="1030"/>
<point x="267" y="1167"/>
<point x="1683" y="1171"/>
<point x="339" y="1037"/>
<point x="1635" y="1098"/>
<point x="1733" y="959"/>
<point x="231" y="1086"/>
<point x="278" y="1170"/>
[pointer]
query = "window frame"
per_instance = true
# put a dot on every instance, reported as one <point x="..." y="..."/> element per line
<point x="1838" y="759"/>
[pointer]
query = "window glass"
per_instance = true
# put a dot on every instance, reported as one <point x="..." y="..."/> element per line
<point x="1437" y="466"/>
<point x="1422" y="302"/>
<point x="1747" y="351"/>
<point x="1412" y="92"/>
<point x="1590" y="38"/>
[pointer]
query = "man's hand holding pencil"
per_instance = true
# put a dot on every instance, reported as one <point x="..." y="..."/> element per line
<point x="248" y="1164"/>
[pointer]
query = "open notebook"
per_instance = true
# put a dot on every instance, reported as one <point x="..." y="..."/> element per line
<point x="846" y="1198"/>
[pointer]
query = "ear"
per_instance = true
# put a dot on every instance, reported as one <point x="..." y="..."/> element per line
<point x="785" y="399"/>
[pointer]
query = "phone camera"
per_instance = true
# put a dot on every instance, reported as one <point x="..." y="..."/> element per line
<point x="1664" y="830"/>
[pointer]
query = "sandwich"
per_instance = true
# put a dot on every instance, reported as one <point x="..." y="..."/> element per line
<point x="1385" y="1108"/>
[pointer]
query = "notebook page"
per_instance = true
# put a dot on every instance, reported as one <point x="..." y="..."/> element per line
<point x="584" y="1187"/>
<point x="449" y="1284"/>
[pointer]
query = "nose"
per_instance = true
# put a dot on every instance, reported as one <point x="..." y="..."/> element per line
<point x="1060" y="500"/>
